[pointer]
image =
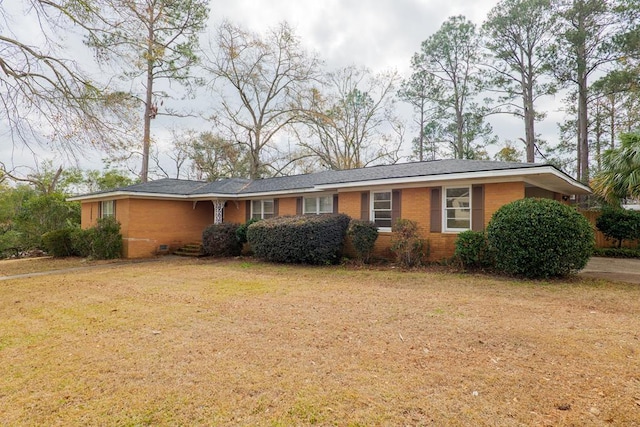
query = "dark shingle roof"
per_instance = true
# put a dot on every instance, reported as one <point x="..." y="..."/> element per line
<point x="375" y="173"/>
<point x="238" y="186"/>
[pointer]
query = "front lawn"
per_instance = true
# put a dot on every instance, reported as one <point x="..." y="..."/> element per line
<point x="205" y="342"/>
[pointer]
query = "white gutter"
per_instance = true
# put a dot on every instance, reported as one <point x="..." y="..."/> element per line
<point x="460" y="176"/>
<point x="502" y="173"/>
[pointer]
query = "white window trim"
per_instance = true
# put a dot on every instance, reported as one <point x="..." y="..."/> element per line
<point x="262" y="207"/>
<point x="317" y="209"/>
<point x="371" y="211"/>
<point x="113" y="208"/>
<point x="445" y="229"/>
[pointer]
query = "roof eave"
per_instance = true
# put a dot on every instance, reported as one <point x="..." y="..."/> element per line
<point x="565" y="185"/>
<point x="522" y="173"/>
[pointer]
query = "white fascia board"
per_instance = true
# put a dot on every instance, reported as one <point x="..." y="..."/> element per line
<point x="127" y="194"/>
<point x="194" y="197"/>
<point x="501" y="175"/>
<point x="263" y="194"/>
<point x="561" y="175"/>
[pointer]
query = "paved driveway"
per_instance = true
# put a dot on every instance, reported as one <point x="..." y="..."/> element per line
<point x="619" y="269"/>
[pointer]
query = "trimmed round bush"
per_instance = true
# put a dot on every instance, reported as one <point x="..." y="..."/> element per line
<point x="472" y="250"/>
<point x="221" y="240"/>
<point x="363" y="236"/>
<point x="310" y="239"/>
<point x="539" y="238"/>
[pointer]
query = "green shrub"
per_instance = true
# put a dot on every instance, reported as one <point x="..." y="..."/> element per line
<point x="619" y="224"/>
<point x="10" y="243"/>
<point x="221" y="240"/>
<point x="472" y="250"/>
<point x="106" y="240"/>
<point x="43" y="213"/>
<point x="81" y="241"/>
<point x="58" y="243"/>
<point x="410" y="249"/>
<point x="617" y="252"/>
<point x="103" y="241"/>
<point x="241" y="232"/>
<point x="363" y="236"/>
<point x="539" y="238"/>
<point x="312" y="239"/>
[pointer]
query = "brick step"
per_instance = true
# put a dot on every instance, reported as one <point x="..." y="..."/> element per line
<point x="192" y="249"/>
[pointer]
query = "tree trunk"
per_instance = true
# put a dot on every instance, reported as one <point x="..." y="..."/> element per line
<point x="529" y="117"/>
<point x="583" y="131"/>
<point x="149" y="109"/>
<point x="422" y="130"/>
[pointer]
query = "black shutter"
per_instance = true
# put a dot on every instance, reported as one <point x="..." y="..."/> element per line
<point x="364" y="206"/>
<point x="395" y="206"/>
<point x="335" y="204"/>
<point x="247" y="210"/>
<point x="477" y="207"/>
<point x="275" y="207"/>
<point x="436" y="210"/>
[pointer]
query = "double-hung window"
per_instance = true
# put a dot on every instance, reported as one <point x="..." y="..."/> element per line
<point x="107" y="208"/>
<point x="381" y="209"/>
<point x="261" y="209"/>
<point x="457" y="208"/>
<point x="318" y="205"/>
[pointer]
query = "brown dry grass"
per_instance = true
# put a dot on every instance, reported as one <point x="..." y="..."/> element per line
<point x="201" y="342"/>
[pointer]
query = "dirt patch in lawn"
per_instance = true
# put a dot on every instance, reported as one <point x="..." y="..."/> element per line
<point x="184" y="342"/>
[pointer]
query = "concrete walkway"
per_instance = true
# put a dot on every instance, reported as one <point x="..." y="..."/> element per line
<point x="615" y="269"/>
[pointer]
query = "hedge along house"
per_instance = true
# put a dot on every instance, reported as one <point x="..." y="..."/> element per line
<point x="444" y="197"/>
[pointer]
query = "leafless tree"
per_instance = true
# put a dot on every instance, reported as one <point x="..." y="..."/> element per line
<point x="261" y="81"/>
<point x="47" y="100"/>
<point x="351" y="121"/>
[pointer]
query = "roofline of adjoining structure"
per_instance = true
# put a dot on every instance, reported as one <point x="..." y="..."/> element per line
<point x="192" y="197"/>
<point x="416" y="179"/>
<point x="537" y="170"/>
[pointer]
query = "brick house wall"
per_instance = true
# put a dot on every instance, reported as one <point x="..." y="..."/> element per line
<point x="148" y="224"/>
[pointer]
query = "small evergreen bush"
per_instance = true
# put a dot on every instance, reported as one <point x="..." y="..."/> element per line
<point x="241" y="231"/>
<point x="221" y="240"/>
<point x="539" y="238"/>
<point x="410" y="249"/>
<point x="310" y="239"/>
<point x="81" y="241"/>
<point x="102" y="241"/>
<point x="619" y="224"/>
<point x="106" y="240"/>
<point x="363" y="236"/>
<point x="472" y="250"/>
<point x="58" y="243"/>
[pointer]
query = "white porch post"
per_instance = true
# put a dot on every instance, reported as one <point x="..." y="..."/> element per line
<point x="218" y="209"/>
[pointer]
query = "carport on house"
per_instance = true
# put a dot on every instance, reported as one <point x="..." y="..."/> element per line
<point x="444" y="197"/>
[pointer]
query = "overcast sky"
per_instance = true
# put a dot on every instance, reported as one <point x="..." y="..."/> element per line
<point x="378" y="34"/>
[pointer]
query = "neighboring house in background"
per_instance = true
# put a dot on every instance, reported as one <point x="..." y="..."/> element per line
<point x="444" y="197"/>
